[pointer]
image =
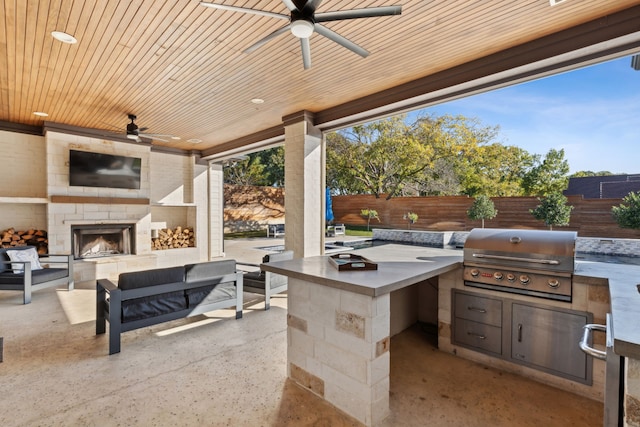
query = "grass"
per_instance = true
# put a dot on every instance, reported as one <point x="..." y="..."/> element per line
<point x="245" y="234"/>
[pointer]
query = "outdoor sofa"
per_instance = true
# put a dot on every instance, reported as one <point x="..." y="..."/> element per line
<point x="149" y="297"/>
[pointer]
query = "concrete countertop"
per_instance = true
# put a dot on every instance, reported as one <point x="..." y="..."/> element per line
<point x="625" y="302"/>
<point x="398" y="267"/>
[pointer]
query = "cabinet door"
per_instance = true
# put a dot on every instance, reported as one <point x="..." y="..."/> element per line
<point x="548" y="339"/>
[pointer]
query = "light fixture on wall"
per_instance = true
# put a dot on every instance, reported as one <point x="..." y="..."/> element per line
<point x="635" y="62"/>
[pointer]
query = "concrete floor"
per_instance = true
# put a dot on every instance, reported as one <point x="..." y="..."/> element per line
<point x="214" y="370"/>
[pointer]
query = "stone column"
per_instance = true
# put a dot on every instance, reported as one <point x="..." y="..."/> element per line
<point x="216" y="210"/>
<point x="338" y="348"/>
<point x="304" y="166"/>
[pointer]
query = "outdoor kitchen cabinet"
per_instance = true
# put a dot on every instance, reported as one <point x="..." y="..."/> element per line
<point x="478" y="322"/>
<point x="546" y="338"/>
<point x="533" y="334"/>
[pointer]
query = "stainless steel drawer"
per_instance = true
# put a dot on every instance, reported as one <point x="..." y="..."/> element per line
<point x="478" y="336"/>
<point x="478" y="309"/>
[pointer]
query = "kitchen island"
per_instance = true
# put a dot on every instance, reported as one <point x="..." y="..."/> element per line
<point x="339" y="324"/>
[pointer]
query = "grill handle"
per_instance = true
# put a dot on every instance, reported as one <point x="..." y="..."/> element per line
<point x="584" y="343"/>
<point x="513" y="258"/>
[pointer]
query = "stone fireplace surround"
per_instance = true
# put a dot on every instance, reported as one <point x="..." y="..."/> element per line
<point x="172" y="201"/>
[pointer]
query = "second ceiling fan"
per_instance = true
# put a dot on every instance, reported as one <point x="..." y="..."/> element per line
<point x="304" y="21"/>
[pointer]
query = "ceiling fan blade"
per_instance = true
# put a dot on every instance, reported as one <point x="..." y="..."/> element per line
<point x="268" y="38"/>
<point x="311" y="6"/>
<point x="244" y="10"/>
<point x="332" y="35"/>
<point x="306" y="53"/>
<point x="142" y="129"/>
<point x="369" y="12"/>
<point x="290" y="5"/>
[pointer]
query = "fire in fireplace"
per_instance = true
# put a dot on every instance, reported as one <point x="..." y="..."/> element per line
<point x="102" y="240"/>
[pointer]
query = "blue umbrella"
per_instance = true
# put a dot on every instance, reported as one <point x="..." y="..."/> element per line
<point x="329" y="206"/>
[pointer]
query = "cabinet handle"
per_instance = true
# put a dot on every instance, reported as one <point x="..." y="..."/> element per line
<point x="479" y="310"/>
<point x="479" y="336"/>
<point x="519" y="332"/>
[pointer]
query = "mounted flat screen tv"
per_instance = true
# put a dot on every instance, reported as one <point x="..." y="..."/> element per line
<point x="103" y="170"/>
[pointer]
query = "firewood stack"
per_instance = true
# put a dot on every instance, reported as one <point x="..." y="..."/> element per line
<point x="173" y="238"/>
<point x="30" y="237"/>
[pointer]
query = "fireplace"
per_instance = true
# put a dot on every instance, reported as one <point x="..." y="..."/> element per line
<point x="102" y="240"/>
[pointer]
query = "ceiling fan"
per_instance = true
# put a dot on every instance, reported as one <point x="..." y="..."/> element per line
<point x="304" y="21"/>
<point x="134" y="132"/>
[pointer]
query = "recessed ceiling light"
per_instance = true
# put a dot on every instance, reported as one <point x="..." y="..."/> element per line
<point x="194" y="140"/>
<point x="40" y="113"/>
<point x="175" y="137"/>
<point x="257" y="101"/>
<point x="555" y="2"/>
<point x="64" y="37"/>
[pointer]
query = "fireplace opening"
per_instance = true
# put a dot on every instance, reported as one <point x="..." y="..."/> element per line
<point x="103" y="240"/>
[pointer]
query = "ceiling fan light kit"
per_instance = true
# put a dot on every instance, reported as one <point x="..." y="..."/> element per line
<point x="303" y="22"/>
<point x="302" y="29"/>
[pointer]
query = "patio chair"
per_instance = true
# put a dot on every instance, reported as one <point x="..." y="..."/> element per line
<point x="21" y="270"/>
<point x="264" y="282"/>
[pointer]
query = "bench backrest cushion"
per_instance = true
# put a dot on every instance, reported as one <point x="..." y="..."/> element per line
<point x="4" y="256"/>
<point x="212" y="290"/>
<point x="206" y="270"/>
<point x="142" y="279"/>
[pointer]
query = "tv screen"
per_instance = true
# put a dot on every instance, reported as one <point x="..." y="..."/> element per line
<point x="103" y="170"/>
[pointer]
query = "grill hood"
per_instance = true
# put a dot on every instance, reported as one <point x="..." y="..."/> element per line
<point x="531" y="249"/>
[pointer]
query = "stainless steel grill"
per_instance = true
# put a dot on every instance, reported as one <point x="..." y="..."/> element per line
<point x="531" y="262"/>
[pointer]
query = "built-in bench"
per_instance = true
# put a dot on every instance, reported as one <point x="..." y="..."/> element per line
<point x="145" y="298"/>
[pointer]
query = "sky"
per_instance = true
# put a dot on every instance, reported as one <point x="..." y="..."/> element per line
<point x="592" y="113"/>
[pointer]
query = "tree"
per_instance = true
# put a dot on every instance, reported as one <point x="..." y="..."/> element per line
<point x="249" y="171"/>
<point x="264" y="168"/>
<point x="411" y="218"/>
<point x="581" y="174"/>
<point x="394" y="157"/>
<point x="553" y="210"/>
<point x="547" y="177"/>
<point x="369" y="214"/>
<point x="627" y="214"/>
<point x="482" y="208"/>
<point x="495" y="170"/>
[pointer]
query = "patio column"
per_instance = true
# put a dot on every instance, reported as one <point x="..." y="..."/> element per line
<point x="304" y="171"/>
<point x="216" y="210"/>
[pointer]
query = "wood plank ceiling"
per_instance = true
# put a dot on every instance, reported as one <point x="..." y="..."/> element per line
<point x="180" y="68"/>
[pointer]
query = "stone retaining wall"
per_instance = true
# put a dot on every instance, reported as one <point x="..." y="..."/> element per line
<point x="456" y="239"/>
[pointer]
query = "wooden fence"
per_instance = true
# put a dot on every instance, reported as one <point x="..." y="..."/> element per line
<point x="251" y="208"/>
<point x="589" y="217"/>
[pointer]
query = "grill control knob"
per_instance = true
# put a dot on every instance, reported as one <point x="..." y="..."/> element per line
<point x="474" y="273"/>
<point x="524" y="279"/>
<point x="497" y="275"/>
<point x="511" y="277"/>
<point x="553" y="283"/>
